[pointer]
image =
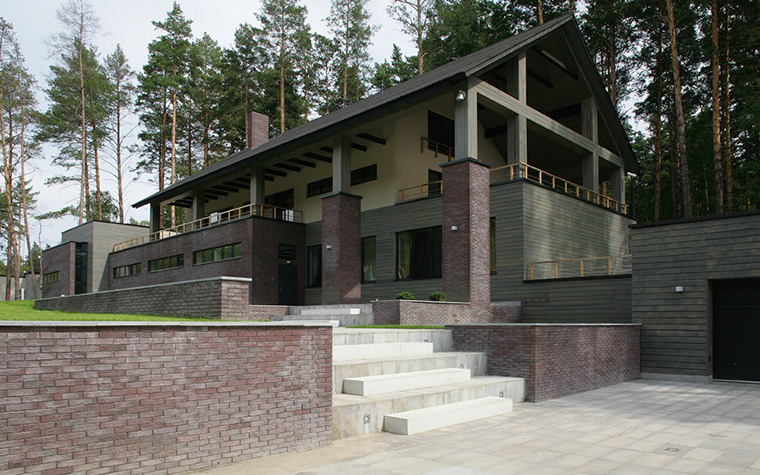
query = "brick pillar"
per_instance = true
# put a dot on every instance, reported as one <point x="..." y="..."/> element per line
<point x="341" y="249"/>
<point x="466" y="251"/>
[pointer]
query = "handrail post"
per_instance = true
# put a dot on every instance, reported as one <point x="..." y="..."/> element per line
<point x="531" y="271"/>
<point x="609" y="265"/>
<point x="556" y="269"/>
<point x="581" y="267"/>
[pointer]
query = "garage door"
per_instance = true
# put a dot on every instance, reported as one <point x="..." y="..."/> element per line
<point x="736" y="329"/>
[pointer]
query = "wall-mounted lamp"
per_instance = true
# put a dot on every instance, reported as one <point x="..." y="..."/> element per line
<point x="679" y="288"/>
<point x="461" y="95"/>
<point x="454" y="228"/>
<point x="328" y="247"/>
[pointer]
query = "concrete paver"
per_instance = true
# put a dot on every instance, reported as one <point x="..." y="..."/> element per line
<point x="641" y="427"/>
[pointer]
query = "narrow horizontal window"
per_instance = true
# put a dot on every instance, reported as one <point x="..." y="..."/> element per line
<point x="215" y="254"/>
<point x="51" y="277"/>
<point x="165" y="263"/>
<point x="363" y="175"/>
<point x="126" y="271"/>
<point x="319" y="187"/>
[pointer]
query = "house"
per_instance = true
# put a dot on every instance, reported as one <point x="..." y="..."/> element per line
<point x="477" y="179"/>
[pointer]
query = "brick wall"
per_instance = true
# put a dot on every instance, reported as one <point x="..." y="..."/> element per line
<point x="60" y="258"/>
<point x="220" y="297"/>
<point x="416" y="312"/>
<point x="341" y="264"/>
<point x="128" y="399"/>
<point x="556" y="360"/>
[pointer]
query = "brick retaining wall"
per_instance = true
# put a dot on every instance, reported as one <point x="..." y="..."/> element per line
<point x="556" y="360"/>
<point x="418" y="312"/>
<point x="219" y="297"/>
<point x="135" y="398"/>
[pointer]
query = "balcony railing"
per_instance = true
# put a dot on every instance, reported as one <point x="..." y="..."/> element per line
<point x="437" y="148"/>
<point x="425" y="190"/>
<point x="214" y="219"/>
<point x="536" y="175"/>
<point x="580" y="267"/>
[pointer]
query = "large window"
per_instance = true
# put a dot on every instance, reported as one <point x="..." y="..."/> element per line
<point x="369" y="259"/>
<point x="165" y="263"/>
<point x="214" y="254"/>
<point x="440" y="130"/>
<point x="319" y="187"/>
<point x="358" y="176"/>
<point x="51" y="277"/>
<point x="419" y="254"/>
<point x="363" y="175"/>
<point x="314" y="266"/>
<point x="126" y="271"/>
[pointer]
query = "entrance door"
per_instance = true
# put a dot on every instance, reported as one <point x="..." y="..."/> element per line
<point x="287" y="280"/>
<point x="736" y="329"/>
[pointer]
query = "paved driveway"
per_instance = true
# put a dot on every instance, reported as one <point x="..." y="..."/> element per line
<point x="641" y="427"/>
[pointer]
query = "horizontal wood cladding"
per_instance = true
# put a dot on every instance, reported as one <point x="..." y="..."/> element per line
<point x="676" y="326"/>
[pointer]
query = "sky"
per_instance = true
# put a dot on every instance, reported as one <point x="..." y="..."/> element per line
<point x="129" y="24"/>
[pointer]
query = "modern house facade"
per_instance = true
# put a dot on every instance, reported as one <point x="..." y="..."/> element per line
<point x="500" y="168"/>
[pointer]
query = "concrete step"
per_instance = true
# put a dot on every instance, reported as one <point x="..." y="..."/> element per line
<point x="342" y="320"/>
<point x="380" y="350"/>
<point x="442" y="340"/>
<point x="356" y="415"/>
<point x="475" y="362"/>
<point x="331" y="311"/>
<point x="390" y="383"/>
<point x="429" y="418"/>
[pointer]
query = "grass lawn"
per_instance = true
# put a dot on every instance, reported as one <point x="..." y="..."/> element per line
<point x="24" y="310"/>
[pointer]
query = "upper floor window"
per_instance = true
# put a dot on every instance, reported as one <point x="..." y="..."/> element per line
<point x="440" y="130"/>
<point x="165" y="263"/>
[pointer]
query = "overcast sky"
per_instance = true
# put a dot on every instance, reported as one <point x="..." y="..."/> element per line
<point x="129" y="23"/>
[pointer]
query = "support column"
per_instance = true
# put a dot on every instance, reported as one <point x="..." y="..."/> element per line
<point x="517" y="125"/>
<point x="617" y="180"/>
<point x="257" y="185"/>
<point x="590" y="130"/>
<point x="199" y="204"/>
<point x="155" y="217"/>
<point x="466" y="125"/>
<point x="341" y="249"/>
<point x="341" y="163"/>
<point x="466" y="232"/>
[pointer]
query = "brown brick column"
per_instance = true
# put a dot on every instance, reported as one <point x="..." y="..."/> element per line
<point x="341" y="249"/>
<point x="466" y="251"/>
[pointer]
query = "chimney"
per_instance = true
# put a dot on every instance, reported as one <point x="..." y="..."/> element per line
<point x="258" y="129"/>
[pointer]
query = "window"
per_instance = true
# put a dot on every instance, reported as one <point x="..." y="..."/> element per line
<point x="493" y="245"/>
<point x="51" y="277"/>
<point x="166" y="263"/>
<point x="319" y="187"/>
<point x="314" y="266"/>
<point x="363" y="175"/>
<point x="440" y="130"/>
<point x="435" y="180"/>
<point x="80" y="268"/>
<point x="286" y="252"/>
<point x="126" y="271"/>
<point x="419" y="254"/>
<point x="369" y="259"/>
<point x="214" y="254"/>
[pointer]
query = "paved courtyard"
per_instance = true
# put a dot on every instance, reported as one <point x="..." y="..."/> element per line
<point x="641" y="427"/>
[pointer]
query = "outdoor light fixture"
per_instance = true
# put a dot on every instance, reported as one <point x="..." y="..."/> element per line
<point x="329" y="247"/>
<point x="454" y="228"/>
<point x="461" y="96"/>
<point x="679" y="288"/>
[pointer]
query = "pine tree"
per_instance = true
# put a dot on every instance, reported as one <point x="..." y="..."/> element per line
<point x="413" y="15"/>
<point x="349" y="24"/>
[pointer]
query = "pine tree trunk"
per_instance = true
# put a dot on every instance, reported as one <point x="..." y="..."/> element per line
<point x="658" y="136"/>
<point x="612" y="59"/>
<point x="97" y="172"/>
<point x="174" y="148"/>
<point x="420" y="33"/>
<point x="119" y="184"/>
<point x="717" y="152"/>
<point x="727" y="115"/>
<point x="24" y="207"/>
<point x="540" y="12"/>
<point x="8" y="175"/>
<point x="674" y="168"/>
<point x="84" y="201"/>
<point x="680" y="119"/>
<point x="282" y="72"/>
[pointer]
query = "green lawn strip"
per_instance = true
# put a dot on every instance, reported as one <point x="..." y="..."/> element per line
<point x="23" y="310"/>
<point x="400" y="327"/>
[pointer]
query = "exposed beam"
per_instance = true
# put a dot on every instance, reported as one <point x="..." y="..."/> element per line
<point x="358" y="147"/>
<point x="215" y="193"/>
<point x="316" y="156"/>
<point x="564" y="112"/>
<point x="275" y="172"/>
<point x="371" y="138"/>
<point x="285" y="166"/>
<point x="556" y="62"/>
<point x="544" y="81"/>
<point x="225" y="188"/>
<point x="576" y="140"/>
<point x="303" y="163"/>
<point x="244" y="181"/>
<point x="326" y="149"/>
<point x="239" y="185"/>
<point x="269" y="178"/>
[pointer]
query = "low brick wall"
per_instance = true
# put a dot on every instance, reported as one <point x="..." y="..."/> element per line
<point x="132" y="398"/>
<point x="419" y="312"/>
<point x="556" y="360"/>
<point x="218" y="297"/>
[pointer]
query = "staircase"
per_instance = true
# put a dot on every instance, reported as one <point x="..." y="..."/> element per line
<point x="410" y="381"/>
<point x="345" y="315"/>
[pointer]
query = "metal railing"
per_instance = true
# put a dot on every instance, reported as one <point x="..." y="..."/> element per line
<point x="580" y="267"/>
<point x="214" y="219"/>
<point x="437" y="148"/>
<point x="425" y="190"/>
<point x="522" y="170"/>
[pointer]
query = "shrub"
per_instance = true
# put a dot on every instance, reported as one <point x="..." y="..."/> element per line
<point x="404" y="296"/>
<point x="437" y="297"/>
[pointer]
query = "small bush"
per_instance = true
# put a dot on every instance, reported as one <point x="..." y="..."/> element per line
<point x="404" y="296"/>
<point x="437" y="297"/>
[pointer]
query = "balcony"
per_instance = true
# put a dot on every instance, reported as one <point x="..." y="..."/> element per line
<point x="215" y="219"/>
<point x="580" y="267"/>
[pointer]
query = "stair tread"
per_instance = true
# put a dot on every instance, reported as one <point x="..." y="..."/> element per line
<point x="442" y="354"/>
<point x="445" y="415"/>
<point x="381" y="350"/>
<point x="407" y="374"/>
<point x="394" y="382"/>
<point x="444" y="408"/>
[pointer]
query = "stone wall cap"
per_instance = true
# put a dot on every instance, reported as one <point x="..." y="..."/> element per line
<point x="464" y="160"/>
<point x="543" y="325"/>
<point x="137" y="323"/>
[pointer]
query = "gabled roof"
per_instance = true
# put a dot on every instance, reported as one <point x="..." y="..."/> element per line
<point x="397" y="98"/>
